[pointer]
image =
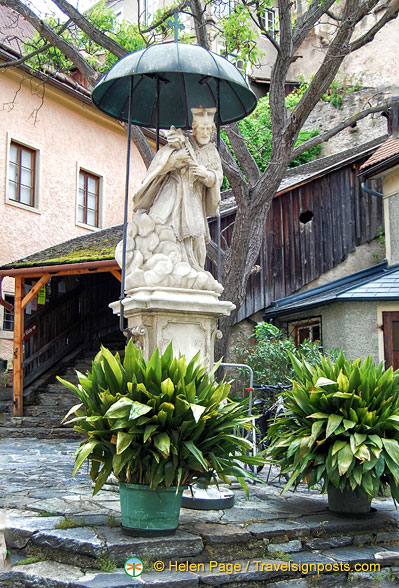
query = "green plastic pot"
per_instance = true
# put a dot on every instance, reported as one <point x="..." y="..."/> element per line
<point x="149" y="512"/>
<point x="348" y="502"/>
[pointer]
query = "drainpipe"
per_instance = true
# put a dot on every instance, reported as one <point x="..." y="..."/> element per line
<point x="370" y="191"/>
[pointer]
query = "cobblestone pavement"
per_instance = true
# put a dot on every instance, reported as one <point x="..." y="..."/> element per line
<point x="37" y="469"/>
<point x="37" y="493"/>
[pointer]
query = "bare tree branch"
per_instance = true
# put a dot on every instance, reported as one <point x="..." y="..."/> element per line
<point x="24" y="58"/>
<point x="306" y="21"/>
<point x="47" y="33"/>
<point x="337" y="129"/>
<point x="142" y="145"/>
<point x="390" y="14"/>
<point x="93" y="32"/>
<point x="165" y="16"/>
<point x="242" y="153"/>
<point x="259" y="22"/>
<point x="200" y="27"/>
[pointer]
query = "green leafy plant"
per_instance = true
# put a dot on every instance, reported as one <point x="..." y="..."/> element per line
<point x="341" y="426"/>
<point x="269" y="355"/>
<point x="160" y="423"/>
<point x="106" y="564"/>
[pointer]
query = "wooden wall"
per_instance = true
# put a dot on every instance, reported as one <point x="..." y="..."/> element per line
<point x="294" y="253"/>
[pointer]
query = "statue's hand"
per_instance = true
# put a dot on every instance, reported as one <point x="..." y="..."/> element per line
<point x="180" y="158"/>
<point x="175" y="137"/>
<point x="201" y="173"/>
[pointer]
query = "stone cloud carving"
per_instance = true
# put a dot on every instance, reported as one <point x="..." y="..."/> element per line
<point x="166" y="240"/>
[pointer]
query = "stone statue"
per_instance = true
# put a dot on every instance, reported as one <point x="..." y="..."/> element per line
<point x="166" y="241"/>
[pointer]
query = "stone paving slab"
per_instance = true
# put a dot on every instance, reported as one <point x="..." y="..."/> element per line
<point x="20" y="530"/>
<point x="36" y="479"/>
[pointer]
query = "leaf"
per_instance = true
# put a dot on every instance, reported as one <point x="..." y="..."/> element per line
<point x="83" y="452"/>
<point x="348" y="424"/>
<point x="197" y="411"/>
<point x="162" y="442"/>
<point x="137" y="410"/>
<point x="324" y="382"/>
<point x="123" y="441"/>
<point x="167" y="388"/>
<point x="343" y="382"/>
<point x="359" y="438"/>
<point x="129" y="360"/>
<point x="120" y="409"/>
<point x="345" y="457"/>
<point x="196" y="453"/>
<point x="392" y="448"/>
<point x="71" y="411"/>
<point x="148" y="432"/>
<point x="338" y="445"/>
<point x="363" y="453"/>
<point x="333" y="423"/>
<point x="318" y="415"/>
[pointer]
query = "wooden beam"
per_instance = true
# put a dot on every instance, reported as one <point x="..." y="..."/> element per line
<point x="117" y="274"/>
<point x="18" y="347"/>
<point x="73" y="272"/>
<point x="35" y="289"/>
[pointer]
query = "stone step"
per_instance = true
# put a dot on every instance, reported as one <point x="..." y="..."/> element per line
<point x="38" y="432"/>
<point x="31" y="421"/>
<point x="312" y="539"/>
<point x="56" y="409"/>
<point x="274" y="573"/>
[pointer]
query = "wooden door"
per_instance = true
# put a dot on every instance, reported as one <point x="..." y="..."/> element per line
<point x="390" y="321"/>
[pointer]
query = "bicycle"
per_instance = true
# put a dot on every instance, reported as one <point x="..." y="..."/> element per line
<point x="270" y="407"/>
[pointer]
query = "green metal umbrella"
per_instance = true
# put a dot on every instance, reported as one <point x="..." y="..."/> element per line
<point x="169" y="79"/>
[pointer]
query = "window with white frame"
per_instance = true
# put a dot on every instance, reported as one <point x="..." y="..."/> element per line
<point x="88" y="210"/>
<point x="150" y="7"/>
<point x="223" y="8"/>
<point x="22" y="164"/>
<point x="269" y="21"/>
<point x="8" y="315"/>
<point x="307" y="329"/>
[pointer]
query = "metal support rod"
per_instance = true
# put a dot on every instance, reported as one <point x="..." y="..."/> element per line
<point x="157" y="112"/>
<point x="219" y="224"/>
<point x="251" y="398"/>
<point x="129" y="141"/>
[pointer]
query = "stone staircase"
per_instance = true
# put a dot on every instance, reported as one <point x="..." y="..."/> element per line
<point x="47" y="404"/>
<point x="216" y="548"/>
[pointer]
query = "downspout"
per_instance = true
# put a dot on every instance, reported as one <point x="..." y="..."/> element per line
<point x="370" y="191"/>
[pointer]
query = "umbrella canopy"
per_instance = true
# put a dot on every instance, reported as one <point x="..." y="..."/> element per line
<point x="183" y="76"/>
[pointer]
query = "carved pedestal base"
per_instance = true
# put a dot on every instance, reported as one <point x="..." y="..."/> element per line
<point x="188" y="318"/>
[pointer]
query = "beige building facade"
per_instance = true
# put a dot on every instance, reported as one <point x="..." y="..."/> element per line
<point x="62" y="170"/>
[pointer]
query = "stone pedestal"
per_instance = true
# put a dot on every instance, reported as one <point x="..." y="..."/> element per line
<point x="188" y="318"/>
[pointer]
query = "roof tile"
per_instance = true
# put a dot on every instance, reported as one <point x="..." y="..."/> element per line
<point x="388" y="149"/>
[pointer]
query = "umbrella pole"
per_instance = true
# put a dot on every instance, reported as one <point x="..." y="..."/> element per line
<point x="219" y="225"/>
<point x="129" y="141"/>
<point x="157" y="112"/>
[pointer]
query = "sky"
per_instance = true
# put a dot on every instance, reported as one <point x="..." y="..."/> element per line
<point x="43" y="7"/>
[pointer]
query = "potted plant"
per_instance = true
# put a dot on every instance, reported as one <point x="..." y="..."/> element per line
<point x="158" y="426"/>
<point x="340" y="428"/>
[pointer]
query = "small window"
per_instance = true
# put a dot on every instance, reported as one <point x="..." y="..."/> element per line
<point x="149" y="11"/>
<point x="88" y="199"/>
<point x="223" y="8"/>
<point x="8" y="316"/>
<point x="269" y="21"/>
<point x="21" y="174"/>
<point x="305" y="330"/>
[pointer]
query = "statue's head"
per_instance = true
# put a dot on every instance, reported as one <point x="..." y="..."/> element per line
<point x="203" y="124"/>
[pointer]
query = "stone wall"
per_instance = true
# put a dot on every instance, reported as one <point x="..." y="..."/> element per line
<point x="325" y="116"/>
